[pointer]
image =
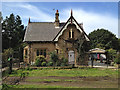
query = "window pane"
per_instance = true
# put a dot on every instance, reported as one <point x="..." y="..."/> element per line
<point x="72" y="34"/>
<point x="57" y="51"/>
<point x="41" y="52"/>
<point x="69" y="34"/>
<point x="26" y="52"/>
<point x="45" y="52"/>
<point x="37" y="53"/>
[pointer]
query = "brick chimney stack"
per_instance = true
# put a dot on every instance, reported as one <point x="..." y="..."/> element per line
<point x="56" y="19"/>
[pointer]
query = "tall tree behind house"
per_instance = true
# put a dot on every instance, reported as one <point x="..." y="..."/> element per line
<point x="12" y="27"/>
<point x="102" y="38"/>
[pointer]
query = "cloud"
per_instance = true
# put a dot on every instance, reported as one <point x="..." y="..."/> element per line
<point x="36" y="13"/>
<point x="27" y="10"/>
<point x="92" y="21"/>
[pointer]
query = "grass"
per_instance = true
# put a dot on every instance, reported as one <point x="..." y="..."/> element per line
<point x="74" y="72"/>
<point x="38" y="86"/>
<point x="68" y="72"/>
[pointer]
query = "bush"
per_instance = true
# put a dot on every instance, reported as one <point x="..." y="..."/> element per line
<point x="43" y="63"/>
<point x="28" y="68"/>
<point x="117" y="59"/>
<point x="5" y="55"/>
<point x="58" y="63"/>
<point x="38" y="63"/>
<point x="54" y="57"/>
<point x="39" y="60"/>
<point x="50" y="64"/>
<point x="111" y="53"/>
<point x="64" y="62"/>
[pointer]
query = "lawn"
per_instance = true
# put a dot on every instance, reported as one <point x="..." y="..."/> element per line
<point x="68" y="72"/>
<point x="67" y="78"/>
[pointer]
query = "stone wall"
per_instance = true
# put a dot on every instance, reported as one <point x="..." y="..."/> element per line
<point x="62" y="46"/>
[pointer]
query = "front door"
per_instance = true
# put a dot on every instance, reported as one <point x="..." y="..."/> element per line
<point x="71" y="58"/>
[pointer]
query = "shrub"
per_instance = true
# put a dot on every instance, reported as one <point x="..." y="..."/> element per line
<point x="5" y="55"/>
<point x="111" y="53"/>
<point x="117" y="59"/>
<point x="54" y="57"/>
<point x="39" y="60"/>
<point x="50" y="64"/>
<point x="38" y="63"/>
<point x="64" y="62"/>
<point x="58" y="63"/>
<point x="43" y="64"/>
<point x="28" y="68"/>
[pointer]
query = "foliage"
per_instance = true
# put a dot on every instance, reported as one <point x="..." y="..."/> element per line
<point x="111" y="53"/>
<point x="5" y="87"/>
<point x="5" y="55"/>
<point x="64" y="62"/>
<point x="117" y="59"/>
<point x="101" y="46"/>
<point x="43" y="63"/>
<point x="28" y="68"/>
<point x="39" y="60"/>
<point x="50" y="63"/>
<point x="12" y="27"/>
<point x="104" y="39"/>
<point x="58" y="63"/>
<point x="12" y="34"/>
<point x="54" y="57"/>
<point x="119" y="44"/>
<point x="82" y="47"/>
<point x="1" y="18"/>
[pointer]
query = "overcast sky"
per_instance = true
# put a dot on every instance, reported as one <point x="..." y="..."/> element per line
<point x="93" y="15"/>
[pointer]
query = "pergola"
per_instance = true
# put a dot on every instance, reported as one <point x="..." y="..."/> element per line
<point x="97" y="51"/>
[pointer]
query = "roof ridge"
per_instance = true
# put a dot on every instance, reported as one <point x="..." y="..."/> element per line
<point x="41" y="22"/>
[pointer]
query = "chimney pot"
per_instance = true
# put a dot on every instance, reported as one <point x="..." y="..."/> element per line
<point x="56" y="19"/>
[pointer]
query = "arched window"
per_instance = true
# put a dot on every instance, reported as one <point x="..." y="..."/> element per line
<point x="71" y="33"/>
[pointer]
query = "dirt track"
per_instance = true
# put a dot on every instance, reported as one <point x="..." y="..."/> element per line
<point x="81" y="82"/>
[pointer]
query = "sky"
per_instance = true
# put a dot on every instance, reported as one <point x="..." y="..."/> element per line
<point x="93" y="15"/>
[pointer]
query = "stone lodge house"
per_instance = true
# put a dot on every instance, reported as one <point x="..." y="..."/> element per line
<point x="45" y="37"/>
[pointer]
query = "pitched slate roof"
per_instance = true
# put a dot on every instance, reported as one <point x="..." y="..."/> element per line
<point x="41" y="31"/>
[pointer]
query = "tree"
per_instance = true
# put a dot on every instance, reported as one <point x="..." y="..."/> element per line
<point x="1" y="17"/>
<point x="111" y="54"/>
<point x="117" y="59"/>
<point x="12" y="34"/>
<point x="119" y="44"/>
<point x="102" y="38"/>
<point x="82" y="46"/>
<point x="12" y="27"/>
